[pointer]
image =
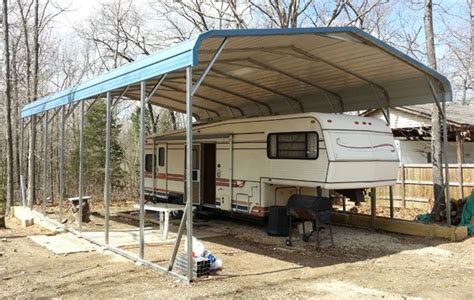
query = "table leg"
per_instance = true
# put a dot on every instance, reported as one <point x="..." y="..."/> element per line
<point x="167" y="222"/>
<point x="162" y="221"/>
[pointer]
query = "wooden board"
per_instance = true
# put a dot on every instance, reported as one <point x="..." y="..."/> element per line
<point x="401" y="226"/>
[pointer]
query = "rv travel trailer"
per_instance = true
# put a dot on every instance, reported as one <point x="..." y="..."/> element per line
<point x="248" y="165"/>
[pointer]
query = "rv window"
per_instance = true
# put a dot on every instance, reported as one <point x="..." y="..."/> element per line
<point x="293" y="145"/>
<point x="161" y="157"/>
<point x="149" y="163"/>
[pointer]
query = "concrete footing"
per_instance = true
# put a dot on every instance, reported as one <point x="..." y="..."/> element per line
<point x="24" y="214"/>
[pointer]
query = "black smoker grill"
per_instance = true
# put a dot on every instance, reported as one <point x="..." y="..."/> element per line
<point x="309" y="208"/>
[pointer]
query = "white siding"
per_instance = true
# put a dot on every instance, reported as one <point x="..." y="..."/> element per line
<point x="400" y="119"/>
<point x="415" y="152"/>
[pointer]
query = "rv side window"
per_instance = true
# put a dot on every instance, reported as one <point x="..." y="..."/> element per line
<point x="149" y="163"/>
<point x="161" y="157"/>
<point x="293" y="145"/>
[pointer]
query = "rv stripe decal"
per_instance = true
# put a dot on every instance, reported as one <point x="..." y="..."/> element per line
<point x="390" y="146"/>
<point x="162" y="190"/>
<point x="225" y="182"/>
<point x="179" y="177"/>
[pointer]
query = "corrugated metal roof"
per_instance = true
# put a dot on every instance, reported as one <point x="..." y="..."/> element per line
<point x="456" y="114"/>
<point x="270" y="71"/>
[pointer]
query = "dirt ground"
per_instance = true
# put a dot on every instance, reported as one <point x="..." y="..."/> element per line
<point x="363" y="264"/>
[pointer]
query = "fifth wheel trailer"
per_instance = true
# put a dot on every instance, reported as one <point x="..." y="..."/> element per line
<point x="247" y="165"/>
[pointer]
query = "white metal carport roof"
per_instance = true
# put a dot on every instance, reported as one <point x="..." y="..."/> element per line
<point x="270" y="71"/>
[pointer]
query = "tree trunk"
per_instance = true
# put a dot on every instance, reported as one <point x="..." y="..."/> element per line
<point x="436" y="152"/>
<point x="471" y="50"/>
<point x="4" y="207"/>
<point x="16" y="120"/>
<point x="32" y="145"/>
<point x="173" y="120"/>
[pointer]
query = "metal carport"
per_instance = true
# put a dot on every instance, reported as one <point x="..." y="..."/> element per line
<point x="226" y="74"/>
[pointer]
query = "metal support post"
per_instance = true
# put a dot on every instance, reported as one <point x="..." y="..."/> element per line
<point x="390" y="188"/>
<point x="81" y="171"/>
<point x="390" y="192"/>
<point x="446" y="166"/>
<point x="20" y="163"/>
<point x="178" y="239"/>
<point x="460" y="161"/>
<point x="436" y="99"/>
<point x="108" y="132"/>
<point x="231" y="168"/>
<point x="31" y="163"/>
<point x="142" y="167"/>
<point x="61" y="164"/>
<point x="189" y="171"/>
<point x="45" y="161"/>
<point x="373" y="207"/>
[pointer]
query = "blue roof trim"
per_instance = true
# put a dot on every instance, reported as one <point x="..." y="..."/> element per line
<point x="168" y="60"/>
<point x="187" y="54"/>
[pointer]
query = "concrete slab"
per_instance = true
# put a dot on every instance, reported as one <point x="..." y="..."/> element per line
<point x="63" y="243"/>
<point x="128" y="237"/>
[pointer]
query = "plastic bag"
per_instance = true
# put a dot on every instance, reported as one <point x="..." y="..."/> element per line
<point x="199" y="250"/>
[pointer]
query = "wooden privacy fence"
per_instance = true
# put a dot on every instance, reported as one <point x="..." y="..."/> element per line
<point x="414" y="186"/>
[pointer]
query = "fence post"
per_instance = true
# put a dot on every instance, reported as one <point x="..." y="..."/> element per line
<point x="403" y="187"/>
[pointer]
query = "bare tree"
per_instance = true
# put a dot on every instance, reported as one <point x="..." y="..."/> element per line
<point x="470" y="4"/>
<point x="436" y="152"/>
<point x="8" y="133"/>
<point x="470" y="78"/>
<point x="457" y="60"/>
<point x="183" y="19"/>
<point x="281" y="13"/>
<point x="120" y="35"/>
<point x="32" y="141"/>
<point x="24" y="14"/>
<point x="42" y="17"/>
<point x="365" y="14"/>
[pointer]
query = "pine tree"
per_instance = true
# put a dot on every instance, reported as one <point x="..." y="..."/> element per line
<point x="135" y="119"/>
<point x="131" y="140"/>
<point x="94" y="148"/>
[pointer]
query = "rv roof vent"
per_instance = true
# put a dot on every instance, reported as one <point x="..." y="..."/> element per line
<point x="329" y="121"/>
<point x="356" y="122"/>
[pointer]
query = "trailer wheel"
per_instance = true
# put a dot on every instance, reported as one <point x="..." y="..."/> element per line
<point x="289" y="243"/>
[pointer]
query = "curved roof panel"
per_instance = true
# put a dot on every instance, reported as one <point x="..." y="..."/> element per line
<point x="270" y="71"/>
